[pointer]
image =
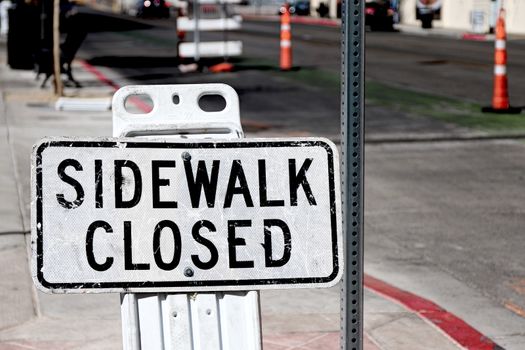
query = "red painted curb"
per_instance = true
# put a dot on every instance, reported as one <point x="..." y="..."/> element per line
<point x="475" y="37"/>
<point x="98" y="74"/>
<point x="296" y="19"/>
<point x="144" y="107"/>
<point x="452" y="325"/>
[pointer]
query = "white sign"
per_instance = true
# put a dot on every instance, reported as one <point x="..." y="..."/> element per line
<point x="211" y="49"/>
<point x="128" y="215"/>
<point x="187" y="24"/>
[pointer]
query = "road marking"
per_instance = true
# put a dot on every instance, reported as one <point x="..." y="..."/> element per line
<point x="449" y="323"/>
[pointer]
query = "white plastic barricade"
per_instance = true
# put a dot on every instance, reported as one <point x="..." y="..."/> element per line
<point x="187" y="24"/>
<point x="196" y="321"/>
<point x="210" y="15"/>
<point x="211" y="49"/>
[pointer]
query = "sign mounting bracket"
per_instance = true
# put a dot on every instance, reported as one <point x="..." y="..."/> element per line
<point x="194" y="321"/>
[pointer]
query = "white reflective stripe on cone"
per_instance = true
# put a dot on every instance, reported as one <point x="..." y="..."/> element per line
<point x="286" y="43"/>
<point x="285" y="27"/>
<point x="500" y="44"/>
<point x="500" y="69"/>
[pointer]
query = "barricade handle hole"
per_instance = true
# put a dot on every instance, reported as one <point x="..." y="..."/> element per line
<point x="212" y="103"/>
<point x="138" y="104"/>
<point x="176" y="99"/>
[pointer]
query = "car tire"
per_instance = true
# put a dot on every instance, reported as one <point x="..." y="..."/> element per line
<point x="426" y="20"/>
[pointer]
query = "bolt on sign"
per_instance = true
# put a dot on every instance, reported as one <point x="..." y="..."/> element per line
<point x="128" y="215"/>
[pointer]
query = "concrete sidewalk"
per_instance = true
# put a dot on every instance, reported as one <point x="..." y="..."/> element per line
<point x="292" y="319"/>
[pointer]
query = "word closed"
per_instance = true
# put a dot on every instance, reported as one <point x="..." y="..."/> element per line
<point x="115" y="215"/>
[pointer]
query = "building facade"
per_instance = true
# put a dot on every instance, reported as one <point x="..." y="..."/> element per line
<point x="470" y="15"/>
<point x="476" y="16"/>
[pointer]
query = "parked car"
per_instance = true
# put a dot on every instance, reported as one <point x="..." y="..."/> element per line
<point x="379" y="15"/>
<point x="299" y="8"/>
<point x="152" y="9"/>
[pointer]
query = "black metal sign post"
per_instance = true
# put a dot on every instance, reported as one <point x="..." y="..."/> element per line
<point x="352" y="132"/>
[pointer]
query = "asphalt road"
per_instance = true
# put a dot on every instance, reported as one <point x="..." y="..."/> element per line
<point x="439" y="65"/>
<point x="442" y="219"/>
<point x="444" y="66"/>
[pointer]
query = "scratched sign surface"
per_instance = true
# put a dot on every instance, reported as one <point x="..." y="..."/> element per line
<point x="115" y="215"/>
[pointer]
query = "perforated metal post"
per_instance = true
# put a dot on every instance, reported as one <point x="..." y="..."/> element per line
<point x="196" y="34"/>
<point x="352" y="132"/>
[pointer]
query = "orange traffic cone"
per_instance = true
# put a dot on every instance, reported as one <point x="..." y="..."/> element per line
<point x="500" y="97"/>
<point x="286" y="38"/>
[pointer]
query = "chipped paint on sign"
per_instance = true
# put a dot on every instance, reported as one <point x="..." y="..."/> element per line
<point x="115" y="215"/>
